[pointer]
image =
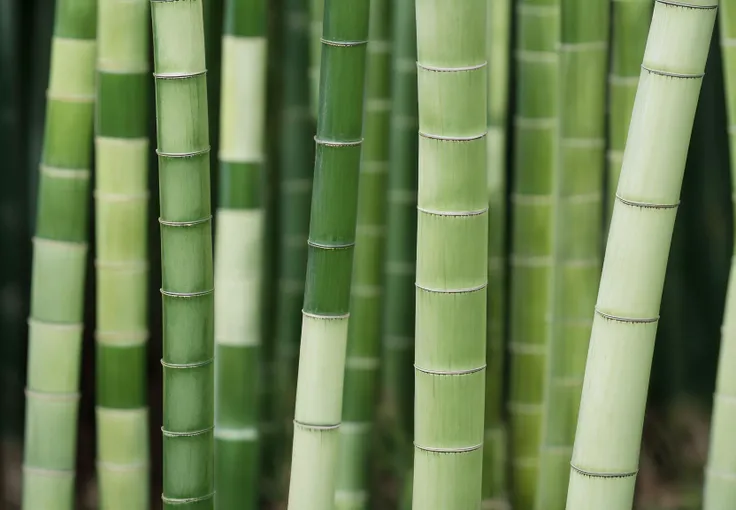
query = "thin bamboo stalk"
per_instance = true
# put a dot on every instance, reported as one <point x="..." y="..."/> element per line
<point x="316" y="15"/>
<point x="720" y="474"/>
<point x="239" y="252"/>
<point x="535" y="160"/>
<point x="607" y="443"/>
<point x="59" y="263"/>
<point x="578" y="234"/>
<point x="629" y="29"/>
<point x="452" y="254"/>
<point x="495" y="443"/>
<point x="366" y="294"/>
<point x="121" y="210"/>
<point x="186" y="254"/>
<point x="330" y="256"/>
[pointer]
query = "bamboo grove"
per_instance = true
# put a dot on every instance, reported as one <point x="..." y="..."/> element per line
<point x="354" y="254"/>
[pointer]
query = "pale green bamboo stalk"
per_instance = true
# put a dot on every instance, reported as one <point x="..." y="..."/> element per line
<point x="330" y="259"/>
<point x="239" y="252"/>
<point x="720" y="473"/>
<point x="535" y="158"/>
<point x="607" y="443"/>
<point x="316" y="15"/>
<point x="59" y="263"/>
<point x="121" y="200"/>
<point x="452" y="254"/>
<point x="629" y="29"/>
<point x="495" y="448"/>
<point x="363" y="360"/>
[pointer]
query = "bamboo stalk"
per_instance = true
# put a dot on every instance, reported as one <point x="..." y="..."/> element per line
<point x="629" y="29"/>
<point x="720" y="476"/>
<point x="603" y="473"/>
<point x="495" y="443"/>
<point x="578" y="228"/>
<point x="330" y="256"/>
<point x="452" y="254"/>
<point x="121" y="210"/>
<point x="239" y="253"/>
<point x="186" y="254"/>
<point x="535" y="160"/>
<point x="59" y="263"/>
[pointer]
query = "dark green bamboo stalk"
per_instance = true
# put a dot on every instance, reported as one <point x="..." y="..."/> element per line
<point x="186" y="254"/>
<point x="329" y="266"/>
<point x="59" y="263"/>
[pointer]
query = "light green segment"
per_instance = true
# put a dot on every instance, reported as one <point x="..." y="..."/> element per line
<point x="72" y="69"/>
<point x="603" y="473"/>
<point x="182" y="53"/>
<point x="117" y="51"/>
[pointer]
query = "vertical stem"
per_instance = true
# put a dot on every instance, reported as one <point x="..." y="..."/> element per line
<point x="59" y="263"/>
<point x="121" y="210"/>
<point x="535" y="159"/>
<point x="607" y="442"/>
<point x="329" y="266"/>
<point x="452" y="254"/>
<point x="239" y="254"/>
<point x="186" y="254"/>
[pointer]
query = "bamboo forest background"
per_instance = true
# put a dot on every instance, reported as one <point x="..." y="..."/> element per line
<point x="683" y="377"/>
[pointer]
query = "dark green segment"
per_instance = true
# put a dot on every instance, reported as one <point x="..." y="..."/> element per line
<point x="240" y="185"/>
<point x="630" y="28"/>
<point x="63" y="204"/>
<point x="185" y="188"/>
<point x="188" y="405"/>
<point x="245" y="18"/>
<point x="360" y="406"/>
<point x="121" y="376"/>
<point x="189" y="467"/>
<point x="117" y="114"/>
<point x="237" y="474"/>
<point x="188" y="329"/>
<point x="76" y="19"/>
<point x="344" y="21"/>
<point x="238" y="373"/>
<point x="186" y="257"/>
<point x="341" y="80"/>
<point x="68" y="134"/>
<point x="328" y="281"/>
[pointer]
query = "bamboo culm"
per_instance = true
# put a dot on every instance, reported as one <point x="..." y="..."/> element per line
<point x="59" y="262"/>
<point x="331" y="241"/>
<point x="121" y="210"/>
<point x="452" y="254"/>
<point x="186" y="254"/>
<point x="603" y="473"/>
<point x="240" y="238"/>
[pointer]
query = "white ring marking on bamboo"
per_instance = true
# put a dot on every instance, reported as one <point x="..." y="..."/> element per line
<point x="362" y="363"/>
<point x="183" y="501"/>
<point x="183" y="154"/>
<point x="66" y="173"/>
<point x="531" y="261"/>
<point x="374" y="167"/>
<point x="434" y="212"/>
<point x="71" y="98"/>
<point x="310" y="426"/>
<point x="77" y="327"/>
<point x="595" y="474"/>
<point x="379" y="47"/>
<point x="122" y="468"/>
<point x="197" y="364"/>
<point x="59" y="397"/>
<point x="190" y="223"/>
<point x="436" y="69"/>
<point x="48" y="472"/>
<point x="467" y="371"/>
<point x="326" y="317"/>
<point x="355" y="427"/>
<point x="120" y="197"/>
<point x="462" y="449"/>
<point x="342" y="246"/>
<point x="366" y="290"/>
<point x="186" y="294"/>
<point x="193" y="433"/>
<point x="130" y="265"/>
<point x="547" y="57"/>
<point x="241" y="434"/>
<point x="357" y="497"/>
<point x="336" y="143"/>
<point x="584" y="143"/>
<point x="615" y="79"/>
<point x="341" y="44"/>
<point x="686" y="5"/>
<point x="122" y="338"/>
<point x="583" y="46"/>
<point x="646" y="205"/>
<point x="524" y="348"/>
<point x="178" y="76"/>
<point x="631" y="320"/>
<point x="69" y="245"/>
<point x="453" y="138"/>
<point x="466" y="290"/>
<point x="670" y="74"/>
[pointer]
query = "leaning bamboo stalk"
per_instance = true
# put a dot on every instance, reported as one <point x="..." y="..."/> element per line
<point x="59" y="263"/>
<point x="186" y="254"/>
<point x="330" y="256"/>
<point x="452" y="254"/>
<point x="121" y="209"/>
<point x="239" y="252"/>
<point x="603" y="472"/>
<point x="720" y="473"/>
<point x="535" y="158"/>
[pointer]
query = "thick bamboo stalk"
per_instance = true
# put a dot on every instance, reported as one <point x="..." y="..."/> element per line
<point x="629" y="29"/>
<point x="452" y="254"/>
<point x="239" y="251"/>
<point x="59" y="263"/>
<point x="535" y="158"/>
<point x="330" y="256"/>
<point x="316" y="15"/>
<point x="186" y="254"/>
<point x="495" y="447"/>
<point x="578" y="230"/>
<point x="603" y="472"/>
<point x="121" y="210"/>
<point x="720" y="473"/>
<point x="366" y="293"/>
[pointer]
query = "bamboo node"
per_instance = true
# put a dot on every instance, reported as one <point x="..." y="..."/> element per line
<point x="341" y="44"/>
<point x="65" y="473"/>
<point x="240" y="434"/>
<point x="59" y="397"/>
<point x="326" y="317"/>
<point x="178" y="76"/>
<point x="122" y="468"/>
<point x="197" y="364"/>
<point x="76" y="328"/>
<point x="322" y="428"/>
<point x="192" y="154"/>
<point x="646" y="205"/>
<point x="466" y="290"/>
<point x="120" y="197"/>
<point x="186" y="294"/>
<point x="190" y="223"/>
<point x="336" y="143"/>
<point x="461" y="449"/>
<point x="193" y="433"/>
<point x="122" y="338"/>
<point x="66" y="173"/>
<point x="356" y="427"/>
<point x="436" y="69"/>
<point x="442" y="138"/>
<point x="669" y="74"/>
<point x="686" y="5"/>
<point x="336" y="246"/>
<point x="631" y="320"/>
<point x="583" y="46"/>
<point x="595" y="474"/>
<point x="434" y="212"/>
<point x="183" y="501"/>
<point x="450" y="372"/>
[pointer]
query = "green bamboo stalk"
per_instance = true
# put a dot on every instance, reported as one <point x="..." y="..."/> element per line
<point x="495" y="445"/>
<point x="121" y="211"/>
<point x="330" y="247"/>
<point x="607" y="443"/>
<point x="452" y="254"/>
<point x="186" y="254"/>
<point x="578" y="227"/>
<point x="720" y="473"/>
<point x="366" y="293"/>
<point x="629" y="29"/>
<point x="239" y="253"/>
<point x="316" y="15"/>
<point x="535" y="161"/>
<point x="59" y="263"/>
